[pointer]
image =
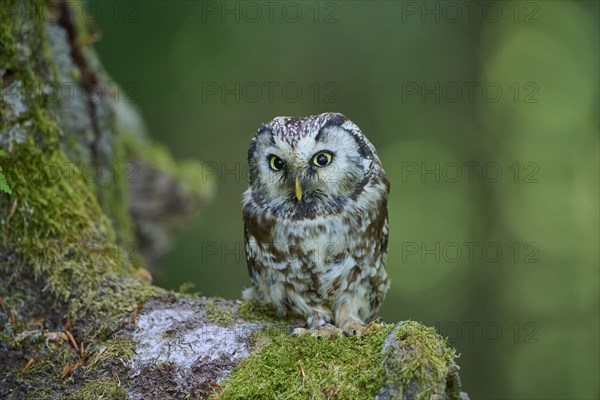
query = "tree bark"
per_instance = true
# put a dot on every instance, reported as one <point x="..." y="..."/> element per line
<point x="86" y="204"/>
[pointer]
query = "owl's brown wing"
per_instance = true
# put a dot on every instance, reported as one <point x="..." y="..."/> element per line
<point x="384" y="237"/>
<point x="257" y="234"/>
<point x="377" y="230"/>
<point x="383" y="216"/>
<point x="377" y="233"/>
<point x="253" y="270"/>
<point x="250" y="253"/>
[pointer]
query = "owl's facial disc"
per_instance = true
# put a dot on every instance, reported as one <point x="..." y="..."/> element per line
<point x="326" y="163"/>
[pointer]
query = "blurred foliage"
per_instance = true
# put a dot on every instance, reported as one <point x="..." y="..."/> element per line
<point x="507" y="88"/>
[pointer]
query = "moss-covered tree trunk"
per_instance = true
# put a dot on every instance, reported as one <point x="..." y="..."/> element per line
<point x="86" y="202"/>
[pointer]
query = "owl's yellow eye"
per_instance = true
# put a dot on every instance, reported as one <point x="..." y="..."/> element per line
<point x="276" y="163"/>
<point x="322" y="158"/>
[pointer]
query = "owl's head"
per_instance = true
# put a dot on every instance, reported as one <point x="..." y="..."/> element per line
<point x="295" y="161"/>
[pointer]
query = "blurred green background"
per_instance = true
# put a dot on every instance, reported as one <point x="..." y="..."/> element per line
<point x="485" y="116"/>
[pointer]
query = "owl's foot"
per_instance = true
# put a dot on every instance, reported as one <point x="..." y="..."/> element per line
<point x="323" y="331"/>
<point x="356" y="328"/>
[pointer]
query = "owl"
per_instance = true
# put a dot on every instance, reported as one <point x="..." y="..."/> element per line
<point x="316" y="224"/>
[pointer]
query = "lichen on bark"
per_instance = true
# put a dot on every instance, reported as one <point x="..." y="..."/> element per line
<point x="75" y="231"/>
<point x="68" y="277"/>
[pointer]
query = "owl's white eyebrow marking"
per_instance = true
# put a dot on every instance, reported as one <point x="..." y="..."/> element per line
<point x="290" y="129"/>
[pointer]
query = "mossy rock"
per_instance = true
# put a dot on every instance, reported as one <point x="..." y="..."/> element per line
<point x="207" y="348"/>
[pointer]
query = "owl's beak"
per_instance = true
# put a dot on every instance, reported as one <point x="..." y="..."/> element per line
<point x="298" y="189"/>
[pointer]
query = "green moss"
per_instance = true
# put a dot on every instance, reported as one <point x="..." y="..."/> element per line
<point x="4" y="187"/>
<point x="333" y="368"/>
<point x="422" y="359"/>
<point x="253" y="313"/>
<point x="62" y="236"/>
<point x="53" y="220"/>
<point x="5" y="337"/>
<point x="31" y="71"/>
<point x="103" y="388"/>
<point x="49" y="358"/>
<point x="216" y="313"/>
<point x="8" y="47"/>
<point x="434" y="356"/>
<point x="164" y="365"/>
<point x="113" y="196"/>
<point x="284" y="366"/>
<point x="59" y="368"/>
<point x="114" y="349"/>
<point x="60" y="229"/>
<point x="52" y="364"/>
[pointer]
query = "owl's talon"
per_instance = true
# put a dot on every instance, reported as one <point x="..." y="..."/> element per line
<point x="358" y="329"/>
<point x="373" y="326"/>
